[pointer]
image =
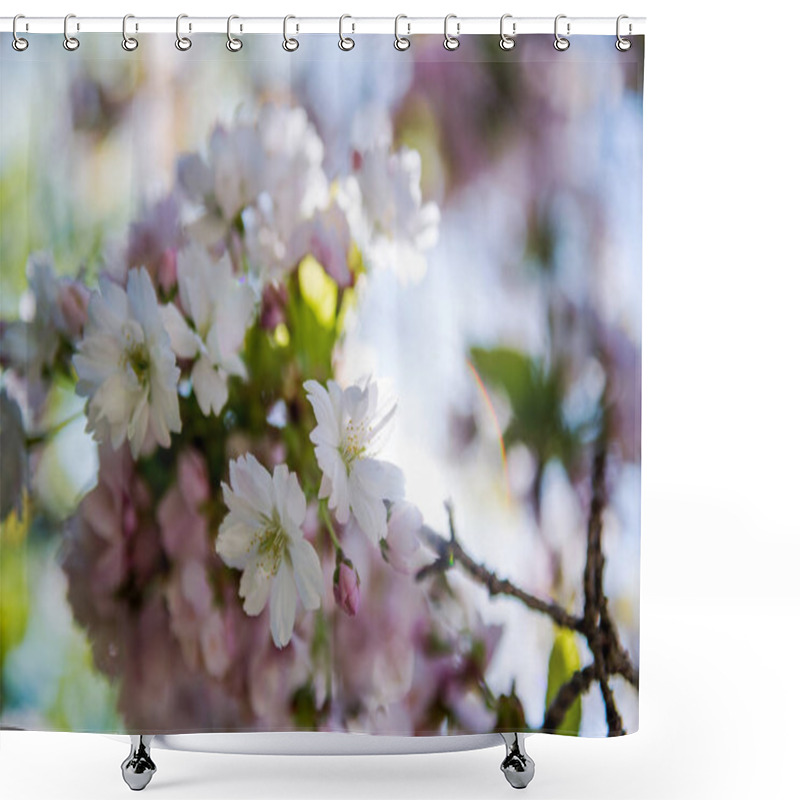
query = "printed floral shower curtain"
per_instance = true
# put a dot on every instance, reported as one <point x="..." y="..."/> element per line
<point x="320" y="386"/>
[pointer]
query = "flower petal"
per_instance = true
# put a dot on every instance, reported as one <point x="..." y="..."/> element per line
<point x="194" y="273"/>
<point x="380" y="478"/>
<point x="335" y="484"/>
<point x="143" y="301"/>
<point x="182" y="339"/>
<point x="254" y="587"/>
<point x="210" y="386"/>
<point x="282" y="606"/>
<point x="251" y="481"/>
<point x="295" y="501"/>
<point x="241" y="508"/>
<point x="235" y="543"/>
<point x="328" y="423"/>
<point x="307" y="573"/>
<point x="233" y="314"/>
<point x="370" y="513"/>
<point x="138" y="425"/>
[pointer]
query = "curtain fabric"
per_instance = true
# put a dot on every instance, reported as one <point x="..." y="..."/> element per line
<point x="321" y="386"/>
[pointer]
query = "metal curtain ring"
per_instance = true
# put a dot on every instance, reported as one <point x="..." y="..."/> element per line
<point x="623" y="44"/>
<point x="18" y="43"/>
<point x="561" y="43"/>
<point x="401" y="42"/>
<point x="70" y="42"/>
<point x="182" y="42"/>
<point x="233" y="44"/>
<point x="129" y="43"/>
<point x="289" y="44"/>
<point x="451" y="42"/>
<point x="345" y="42"/>
<point x="507" y="42"/>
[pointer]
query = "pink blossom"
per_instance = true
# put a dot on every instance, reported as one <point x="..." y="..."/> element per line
<point x="214" y="645"/>
<point x="194" y="620"/>
<point x="375" y="651"/>
<point x="181" y="518"/>
<point x="113" y="524"/>
<point x="154" y="240"/>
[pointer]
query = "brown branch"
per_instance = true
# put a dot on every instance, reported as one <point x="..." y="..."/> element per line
<point x="567" y="695"/>
<point x="624" y="667"/>
<point x="598" y="627"/>
<point x="596" y="624"/>
<point x="595" y="561"/>
<point x="450" y="552"/>
<point x="613" y="719"/>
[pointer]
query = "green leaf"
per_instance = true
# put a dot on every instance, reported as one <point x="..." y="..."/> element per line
<point x="310" y="322"/>
<point x="535" y="395"/>
<point x="319" y="291"/>
<point x="14" y="594"/>
<point x="85" y="699"/>
<point x="565" y="661"/>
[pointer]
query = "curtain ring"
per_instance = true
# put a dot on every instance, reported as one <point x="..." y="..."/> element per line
<point x="561" y="43"/>
<point x="70" y="42"/>
<point x="233" y="44"/>
<point x="183" y="43"/>
<point x="289" y="44"/>
<point x="18" y="43"/>
<point x="129" y="43"/>
<point x="345" y="42"/>
<point x="507" y="42"/>
<point x="623" y="44"/>
<point x="451" y="42"/>
<point x="401" y="42"/>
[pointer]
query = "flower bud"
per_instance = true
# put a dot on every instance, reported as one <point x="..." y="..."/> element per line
<point x="73" y="304"/>
<point x="346" y="585"/>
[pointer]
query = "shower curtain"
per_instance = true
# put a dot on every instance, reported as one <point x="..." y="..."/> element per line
<point x="321" y="380"/>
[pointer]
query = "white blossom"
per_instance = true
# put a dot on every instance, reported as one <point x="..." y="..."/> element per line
<point x="261" y="536"/>
<point x="383" y="203"/>
<point x="402" y="538"/>
<point x="351" y="425"/>
<point x="126" y="367"/>
<point x="223" y="185"/>
<point x="294" y="189"/>
<point x="221" y="309"/>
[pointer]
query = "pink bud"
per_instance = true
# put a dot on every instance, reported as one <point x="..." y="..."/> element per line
<point x="273" y="304"/>
<point x="346" y="590"/>
<point x="168" y="269"/>
<point x="73" y="303"/>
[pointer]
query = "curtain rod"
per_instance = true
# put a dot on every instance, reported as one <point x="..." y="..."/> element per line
<point x="461" y="26"/>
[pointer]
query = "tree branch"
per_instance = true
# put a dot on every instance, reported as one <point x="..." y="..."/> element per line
<point x="595" y="561"/>
<point x="598" y="627"/>
<point x="450" y="552"/>
<point x="596" y="624"/>
<point x="567" y="695"/>
<point x="624" y="667"/>
<point x="613" y="719"/>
